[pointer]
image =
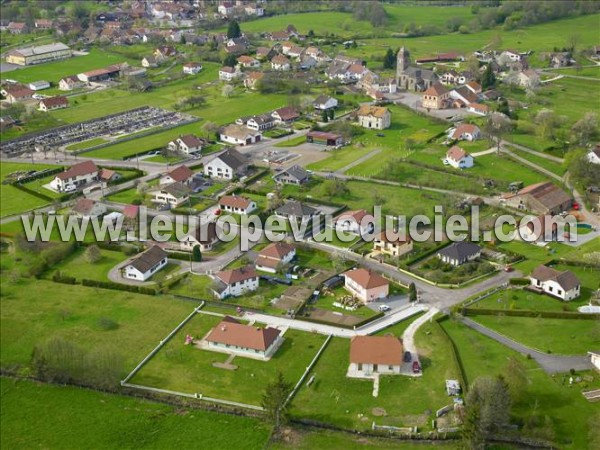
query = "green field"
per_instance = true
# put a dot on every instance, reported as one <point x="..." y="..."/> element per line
<point x="572" y="418"/>
<point x="78" y="418"/>
<point x="86" y="144"/>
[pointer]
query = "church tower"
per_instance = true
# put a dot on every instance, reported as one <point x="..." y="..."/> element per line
<point x="402" y="62"/>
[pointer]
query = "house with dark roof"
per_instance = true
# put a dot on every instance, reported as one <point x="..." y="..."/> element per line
<point x="459" y="253"/>
<point x="285" y="115"/>
<point x="145" y="264"/>
<point x="235" y="338"/>
<point x="235" y="282"/>
<point x="273" y="256"/>
<point x="227" y="165"/>
<point x="172" y="195"/>
<point x="564" y="285"/>
<point x="77" y="175"/>
<point x="366" y="285"/>
<point x="540" y="198"/>
<point x="295" y="210"/>
<point x="292" y="175"/>
<point x="371" y="356"/>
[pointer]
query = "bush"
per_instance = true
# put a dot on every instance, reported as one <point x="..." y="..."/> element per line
<point x="107" y="324"/>
<point x="519" y="281"/>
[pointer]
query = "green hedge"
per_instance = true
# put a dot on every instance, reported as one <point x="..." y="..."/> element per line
<point x="529" y="313"/>
<point x="118" y="287"/>
<point x="325" y="322"/>
<point x="455" y="356"/>
<point x="519" y="281"/>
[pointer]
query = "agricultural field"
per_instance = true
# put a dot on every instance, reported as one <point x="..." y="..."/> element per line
<point x="79" y="418"/>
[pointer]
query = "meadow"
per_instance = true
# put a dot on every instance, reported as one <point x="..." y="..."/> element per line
<point x="72" y="417"/>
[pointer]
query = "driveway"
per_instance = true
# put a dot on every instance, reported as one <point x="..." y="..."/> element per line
<point x="550" y="363"/>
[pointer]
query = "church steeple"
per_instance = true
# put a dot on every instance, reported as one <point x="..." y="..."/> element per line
<point x="402" y="60"/>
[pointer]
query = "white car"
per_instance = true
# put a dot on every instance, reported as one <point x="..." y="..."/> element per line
<point x="384" y="308"/>
<point x="70" y="188"/>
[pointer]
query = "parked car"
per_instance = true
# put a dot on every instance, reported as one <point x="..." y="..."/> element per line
<point x="380" y="135"/>
<point x="407" y="357"/>
<point x="416" y="367"/>
<point x="70" y="188"/>
<point x="384" y="308"/>
<point x="508" y="268"/>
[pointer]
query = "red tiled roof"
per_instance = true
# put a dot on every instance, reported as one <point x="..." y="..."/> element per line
<point x="276" y="250"/>
<point x="235" y="201"/>
<point x="385" y="350"/>
<point x="236" y="275"/>
<point x="231" y="332"/>
<point x="456" y="153"/>
<point x="366" y="278"/>
<point x="180" y="173"/>
<point x="79" y="169"/>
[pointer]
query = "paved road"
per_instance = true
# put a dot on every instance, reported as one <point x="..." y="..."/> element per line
<point x="550" y="363"/>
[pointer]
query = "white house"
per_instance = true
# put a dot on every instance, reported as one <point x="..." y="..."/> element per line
<point x="564" y="285"/>
<point x="239" y="135"/>
<point x="187" y="144"/>
<point x="366" y="285"/>
<point x="235" y="282"/>
<point x="205" y="236"/>
<point x="371" y="356"/>
<point x="237" y="204"/>
<point x="357" y="222"/>
<point x="227" y="165"/>
<point x="192" y="68"/>
<point x="173" y="195"/>
<point x="274" y="256"/>
<point x="181" y="174"/>
<point x="86" y="208"/>
<point x="77" y="175"/>
<point x="146" y="264"/>
<point x="595" y="358"/>
<point x="465" y="132"/>
<point x="38" y="85"/>
<point x="459" y="253"/>
<point x="232" y="337"/>
<point x="594" y="155"/>
<point x="248" y="62"/>
<point x="325" y="102"/>
<point x="228" y="73"/>
<point x="280" y="63"/>
<point x="374" y="117"/>
<point x="52" y="103"/>
<point x="458" y="158"/>
<point x="69" y="83"/>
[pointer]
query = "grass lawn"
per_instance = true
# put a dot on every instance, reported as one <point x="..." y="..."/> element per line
<point x="189" y="369"/>
<point x="563" y="336"/>
<point x="34" y="311"/>
<point x="516" y="299"/>
<point x="77" y="266"/>
<point x="291" y="141"/>
<point x="14" y="201"/>
<point x="552" y="166"/>
<point x="333" y="398"/>
<point x="38" y="415"/>
<point x="535" y="255"/>
<point x="86" y="144"/>
<point x="573" y="419"/>
<point x="341" y="158"/>
<point x="327" y="300"/>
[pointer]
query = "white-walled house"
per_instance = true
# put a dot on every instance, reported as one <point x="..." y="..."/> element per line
<point x="239" y="135"/>
<point x="459" y="253"/>
<point x="274" y="256"/>
<point x="86" y="208"/>
<point x="235" y="282"/>
<point x="466" y="132"/>
<point x="366" y="285"/>
<point x="237" y="204"/>
<point x="325" y="102"/>
<point x="182" y="174"/>
<point x="173" y="195"/>
<point x="205" y="236"/>
<point x="77" y="175"/>
<point x="357" y="222"/>
<point x="371" y="356"/>
<point x="564" y="285"/>
<point x="594" y="155"/>
<point x="186" y="144"/>
<point x="192" y="68"/>
<point x="374" y="117"/>
<point x="145" y="265"/>
<point x="458" y="158"/>
<point x="227" y="165"/>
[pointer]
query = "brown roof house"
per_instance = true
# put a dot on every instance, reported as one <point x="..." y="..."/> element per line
<point x="86" y="208"/>
<point x="564" y="285"/>
<point x="465" y="132"/>
<point x="237" y="204"/>
<point x="366" y="285"/>
<point x="182" y="174"/>
<point x="75" y="176"/>
<point x="435" y="97"/>
<point x="540" y="198"/>
<point x="274" y="256"/>
<point x="146" y="264"/>
<point x="458" y="158"/>
<point x="52" y="103"/>
<point x="390" y="242"/>
<point x="235" y="282"/>
<point x="233" y="337"/>
<point x="356" y="222"/>
<point x="371" y="356"/>
<point x="18" y="93"/>
<point x="374" y="117"/>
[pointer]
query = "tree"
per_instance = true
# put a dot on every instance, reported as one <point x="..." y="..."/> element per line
<point x="336" y="188"/>
<point x="227" y="90"/>
<point x="389" y="60"/>
<point x="324" y="116"/>
<point x="331" y="113"/>
<point x="233" y="30"/>
<point x="488" y="79"/>
<point x="516" y="378"/>
<point x="488" y="406"/>
<point x="547" y="121"/>
<point x="496" y="127"/>
<point x="472" y="65"/>
<point x="196" y="253"/>
<point x="274" y="400"/>
<point x="581" y="169"/>
<point x="472" y="436"/>
<point x="210" y="128"/>
<point x="92" y="254"/>
<point x="585" y="129"/>
<point x="412" y="292"/>
<point x="230" y="60"/>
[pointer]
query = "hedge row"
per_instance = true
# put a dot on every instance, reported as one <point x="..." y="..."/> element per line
<point x="573" y="263"/>
<point x="424" y="255"/>
<point x="34" y="193"/>
<point x="40" y="174"/>
<point x="462" y="373"/>
<point x="119" y="287"/>
<point x="529" y="313"/>
<point x="519" y="281"/>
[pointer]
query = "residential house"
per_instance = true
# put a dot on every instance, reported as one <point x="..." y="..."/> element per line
<point x="285" y="115"/>
<point x="69" y="83"/>
<point x="264" y="53"/>
<point x="227" y="165"/>
<point x="543" y="228"/>
<point x="371" y="356"/>
<point x="324" y="138"/>
<point x="449" y="77"/>
<point x="237" y="204"/>
<point x="17" y="28"/>
<point x="462" y="97"/>
<point x="18" y="93"/>
<point x="595" y="357"/>
<point x="43" y="24"/>
<point x="465" y="132"/>
<point x="252" y="78"/>
<point x="512" y="55"/>
<point x="564" y="285"/>
<point x="280" y="63"/>
<point x="435" y="97"/>
<point x="172" y="195"/>
<point x="254" y="9"/>
<point x="164" y="51"/>
<point x="77" y="175"/>
<point x="192" y="68"/>
<point x="87" y="209"/>
<point x="226" y="8"/>
<point x="259" y="123"/>
<point x="459" y="253"/>
<point x="181" y="174"/>
<point x="374" y="117"/>
<point x="474" y="87"/>
<point x="205" y="236"/>
<point x="292" y="175"/>
<point x="227" y="73"/>
<point x="296" y="211"/>
<point x="280" y="36"/>
<point x="143" y="266"/>
<point x="108" y="175"/>
<point x="149" y="62"/>
<point x="458" y="158"/>
<point x="52" y="103"/>
<point x="248" y="62"/>
<point x="274" y="256"/>
<point x="240" y="135"/>
<point x="235" y="282"/>
<point x="478" y="108"/>
<point x="357" y="222"/>
<point x="187" y="144"/>
<point x="593" y="156"/>
<point x="540" y="198"/>
<point x="366" y="285"/>
<point x="38" y="85"/>
<point x="325" y="102"/>
<point x="392" y="243"/>
<point x="527" y="79"/>
<point x="232" y="337"/>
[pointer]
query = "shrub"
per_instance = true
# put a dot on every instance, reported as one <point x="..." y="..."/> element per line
<point x="107" y="324"/>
